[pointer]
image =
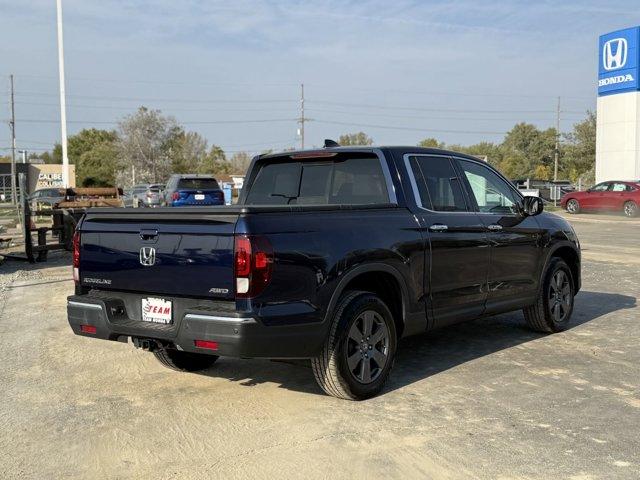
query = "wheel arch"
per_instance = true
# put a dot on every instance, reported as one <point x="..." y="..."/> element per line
<point x="571" y="256"/>
<point x="381" y="279"/>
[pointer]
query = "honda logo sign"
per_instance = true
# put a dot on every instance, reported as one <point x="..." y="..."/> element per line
<point x="614" y="54"/>
<point x="147" y="256"/>
<point x="619" y="61"/>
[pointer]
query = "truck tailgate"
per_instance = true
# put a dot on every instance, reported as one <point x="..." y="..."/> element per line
<point x="168" y="253"/>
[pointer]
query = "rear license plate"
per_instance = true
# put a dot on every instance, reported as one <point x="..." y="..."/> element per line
<point x="199" y="196"/>
<point x="156" y="310"/>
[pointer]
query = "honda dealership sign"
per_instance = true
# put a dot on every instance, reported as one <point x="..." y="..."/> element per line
<point x="619" y="62"/>
<point x="618" y="106"/>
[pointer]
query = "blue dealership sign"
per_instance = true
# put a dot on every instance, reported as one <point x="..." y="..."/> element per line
<point x="619" y="59"/>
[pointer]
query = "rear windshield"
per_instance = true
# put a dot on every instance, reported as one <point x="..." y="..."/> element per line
<point x="198" y="184"/>
<point x="344" y="180"/>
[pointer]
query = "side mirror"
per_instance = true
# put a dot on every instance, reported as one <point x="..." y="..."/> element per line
<point x="531" y="206"/>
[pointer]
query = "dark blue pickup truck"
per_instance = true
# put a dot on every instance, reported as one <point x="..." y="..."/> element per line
<point x="330" y="255"/>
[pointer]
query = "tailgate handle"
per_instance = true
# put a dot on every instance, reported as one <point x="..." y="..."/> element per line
<point x="148" y="234"/>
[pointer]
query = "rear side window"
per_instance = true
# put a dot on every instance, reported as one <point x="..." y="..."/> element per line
<point x="341" y="180"/>
<point x="438" y="184"/>
<point x="198" y="184"/>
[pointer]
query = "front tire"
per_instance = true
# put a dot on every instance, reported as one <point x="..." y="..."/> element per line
<point x="358" y="354"/>
<point x="630" y="209"/>
<point x="552" y="311"/>
<point x="184" y="361"/>
<point x="573" y="206"/>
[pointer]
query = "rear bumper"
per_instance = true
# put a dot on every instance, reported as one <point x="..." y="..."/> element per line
<point x="235" y="335"/>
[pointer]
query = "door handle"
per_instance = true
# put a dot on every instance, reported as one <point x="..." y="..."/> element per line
<point x="438" y="227"/>
<point x="148" y="234"/>
<point x="494" y="227"/>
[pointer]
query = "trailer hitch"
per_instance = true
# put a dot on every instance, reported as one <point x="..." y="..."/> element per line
<point x="146" y="344"/>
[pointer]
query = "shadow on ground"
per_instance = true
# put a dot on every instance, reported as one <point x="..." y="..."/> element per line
<point x="424" y="355"/>
<point x="56" y="258"/>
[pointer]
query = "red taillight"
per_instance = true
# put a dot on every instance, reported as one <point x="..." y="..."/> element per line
<point x="243" y="256"/>
<point x="76" y="257"/>
<point x="207" y="344"/>
<point x="88" y="329"/>
<point x="175" y="196"/>
<point x="253" y="262"/>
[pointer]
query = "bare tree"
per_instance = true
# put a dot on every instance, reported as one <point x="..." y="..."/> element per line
<point x="240" y="162"/>
<point x="144" y="140"/>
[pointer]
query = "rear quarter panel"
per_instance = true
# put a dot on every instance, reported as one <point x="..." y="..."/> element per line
<point x="313" y="251"/>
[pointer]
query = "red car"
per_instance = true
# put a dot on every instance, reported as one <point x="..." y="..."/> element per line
<point x="618" y="196"/>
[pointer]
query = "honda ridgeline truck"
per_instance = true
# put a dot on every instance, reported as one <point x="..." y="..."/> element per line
<point x="330" y="255"/>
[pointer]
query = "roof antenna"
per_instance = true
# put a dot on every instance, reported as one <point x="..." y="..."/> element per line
<point x="328" y="143"/>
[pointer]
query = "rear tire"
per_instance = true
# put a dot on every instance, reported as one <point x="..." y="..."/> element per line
<point x="552" y="311"/>
<point x="630" y="209"/>
<point x="573" y="206"/>
<point x="184" y="361"/>
<point x="358" y="354"/>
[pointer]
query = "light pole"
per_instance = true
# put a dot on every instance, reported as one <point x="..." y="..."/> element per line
<point x="63" y="105"/>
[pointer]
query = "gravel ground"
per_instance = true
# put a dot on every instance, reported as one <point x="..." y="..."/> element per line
<point x="487" y="399"/>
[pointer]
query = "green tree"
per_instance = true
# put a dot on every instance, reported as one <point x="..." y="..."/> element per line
<point x="94" y="154"/>
<point x="187" y="151"/>
<point x="99" y="166"/>
<point x="359" y="138"/>
<point x="525" y="147"/>
<point x="215" y="162"/>
<point x="431" y="143"/>
<point x="580" y="151"/>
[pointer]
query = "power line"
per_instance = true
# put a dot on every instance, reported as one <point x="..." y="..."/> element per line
<point x="121" y="81"/>
<point x="390" y="115"/>
<point x="423" y="109"/>
<point x="391" y="127"/>
<point x="194" y="122"/>
<point x="123" y="107"/>
<point x="143" y="99"/>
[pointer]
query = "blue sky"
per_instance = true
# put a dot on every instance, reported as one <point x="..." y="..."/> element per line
<point x="460" y="71"/>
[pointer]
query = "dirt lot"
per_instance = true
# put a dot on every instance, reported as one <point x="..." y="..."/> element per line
<point x="488" y="399"/>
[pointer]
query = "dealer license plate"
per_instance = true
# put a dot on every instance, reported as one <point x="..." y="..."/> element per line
<point x="199" y="196"/>
<point x="156" y="310"/>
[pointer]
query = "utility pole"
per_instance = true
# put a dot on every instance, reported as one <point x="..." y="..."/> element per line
<point x="302" y="119"/>
<point x="63" y="106"/>
<point x="14" y="196"/>
<point x="557" y="150"/>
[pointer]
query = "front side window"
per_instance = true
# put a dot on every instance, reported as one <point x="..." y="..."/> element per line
<point x="336" y="181"/>
<point x="438" y="184"/>
<point x="601" y="187"/>
<point x="492" y="194"/>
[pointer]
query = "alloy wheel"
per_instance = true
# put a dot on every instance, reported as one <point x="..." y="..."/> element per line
<point x="630" y="209"/>
<point x="560" y="297"/>
<point x="367" y="349"/>
<point x="572" y="206"/>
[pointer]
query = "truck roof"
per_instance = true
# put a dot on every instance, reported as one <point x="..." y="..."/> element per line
<point x="394" y="149"/>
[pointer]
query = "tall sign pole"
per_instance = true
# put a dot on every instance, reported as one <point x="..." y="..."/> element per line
<point x="14" y="196"/>
<point x="557" y="149"/>
<point x="63" y="105"/>
<point x="302" y="119"/>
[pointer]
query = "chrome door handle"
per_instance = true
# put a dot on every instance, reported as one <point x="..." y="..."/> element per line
<point x="494" y="227"/>
<point x="438" y="227"/>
